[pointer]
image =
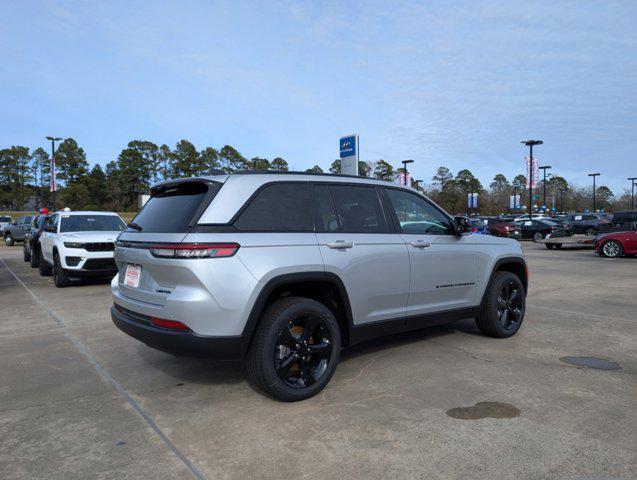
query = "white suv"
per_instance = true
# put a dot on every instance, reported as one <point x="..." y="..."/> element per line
<point x="284" y="269"/>
<point x="79" y="244"/>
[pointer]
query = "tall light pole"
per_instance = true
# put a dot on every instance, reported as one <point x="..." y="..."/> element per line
<point x="405" y="162"/>
<point x="632" y="192"/>
<point x="415" y="184"/>
<point x="52" y="187"/>
<point x="544" y="169"/>
<point x="530" y="144"/>
<point x="594" y="175"/>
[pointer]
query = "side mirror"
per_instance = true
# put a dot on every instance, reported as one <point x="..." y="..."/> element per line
<point x="49" y="228"/>
<point x="460" y="224"/>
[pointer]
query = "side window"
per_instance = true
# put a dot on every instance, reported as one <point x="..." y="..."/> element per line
<point x="53" y="220"/>
<point x="358" y="209"/>
<point x="21" y="220"/>
<point x="326" y="220"/>
<point x="416" y="215"/>
<point x="284" y="207"/>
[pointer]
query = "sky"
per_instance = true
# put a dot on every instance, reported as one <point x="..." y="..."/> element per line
<point x="458" y="84"/>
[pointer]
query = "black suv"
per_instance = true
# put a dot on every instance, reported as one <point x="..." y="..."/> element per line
<point x="587" y="223"/>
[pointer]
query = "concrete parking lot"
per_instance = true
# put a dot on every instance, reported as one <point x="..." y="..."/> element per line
<point x="79" y="399"/>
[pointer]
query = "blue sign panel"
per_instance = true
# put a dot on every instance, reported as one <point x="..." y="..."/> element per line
<point x="348" y="146"/>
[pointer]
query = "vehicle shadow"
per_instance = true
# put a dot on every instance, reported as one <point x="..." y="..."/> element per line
<point x="224" y="372"/>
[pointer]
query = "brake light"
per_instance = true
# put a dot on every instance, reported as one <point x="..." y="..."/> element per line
<point x="172" y="324"/>
<point x="195" y="250"/>
<point x="474" y="229"/>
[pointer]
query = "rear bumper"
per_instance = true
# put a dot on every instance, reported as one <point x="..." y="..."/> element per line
<point x="177" y="342"/>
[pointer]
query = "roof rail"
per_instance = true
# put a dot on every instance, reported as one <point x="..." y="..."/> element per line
<point x="277" y="172"/>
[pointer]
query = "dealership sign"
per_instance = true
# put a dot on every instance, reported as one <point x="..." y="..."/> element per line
<point x="348" y="146"/>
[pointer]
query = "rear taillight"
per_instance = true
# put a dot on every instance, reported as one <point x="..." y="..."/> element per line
<point x="195" y="250"/>
<point x="172" y="324"/>
<point x="474" y="229"/>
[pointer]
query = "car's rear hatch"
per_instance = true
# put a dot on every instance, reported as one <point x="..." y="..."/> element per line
<point x="165" y="220"/>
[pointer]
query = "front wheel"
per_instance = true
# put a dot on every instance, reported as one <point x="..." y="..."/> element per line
<point x="295" y="350"/>
<point x="8" y="240"/>
<point x="60" y="276"/>
<point x="43" y="267"/>
<point x="558" y="245"/>
<point x="26" y="255"/>
<point x="611" y="249"/>
<point x="34" y="260"/>
<point x="590" y="232"/>
<point x="537" y="236"/>
<point x="502" y="312"/>
<point x="549" y="246"/>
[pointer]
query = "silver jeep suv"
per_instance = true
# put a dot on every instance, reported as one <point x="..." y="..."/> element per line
<point x="285" y="269"/>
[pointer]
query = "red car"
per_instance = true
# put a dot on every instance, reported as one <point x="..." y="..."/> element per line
<point x="616" y="244"/>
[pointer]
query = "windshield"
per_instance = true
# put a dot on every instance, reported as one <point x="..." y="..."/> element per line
<point x="91" y="223"/>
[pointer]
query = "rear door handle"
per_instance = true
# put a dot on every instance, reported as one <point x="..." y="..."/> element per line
<point x="420" y="244"/>
<point x="339" y="244"/>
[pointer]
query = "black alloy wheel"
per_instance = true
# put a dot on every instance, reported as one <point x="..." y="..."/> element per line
<point x="510" y="304"/>
<point x="295" y="350"/>
<point x="502" y="310"/>
<point x="303" y="351"/>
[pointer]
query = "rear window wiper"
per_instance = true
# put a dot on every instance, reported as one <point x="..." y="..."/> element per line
<point x="135" y="226"/>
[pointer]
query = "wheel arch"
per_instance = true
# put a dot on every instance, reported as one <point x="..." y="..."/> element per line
<point x="515" y="265"/>
<point x="324" y="287"/>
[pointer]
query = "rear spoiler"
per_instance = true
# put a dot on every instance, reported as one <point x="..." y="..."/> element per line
<point x="218" y="176"/>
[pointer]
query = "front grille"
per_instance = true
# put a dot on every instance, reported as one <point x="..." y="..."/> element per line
<point x="100" y="264"/>
<point x="99" y="247"/>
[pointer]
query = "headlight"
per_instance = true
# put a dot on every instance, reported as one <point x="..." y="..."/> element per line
<point x="73" y="245"/>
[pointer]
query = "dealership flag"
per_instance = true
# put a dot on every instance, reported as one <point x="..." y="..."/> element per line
<point x="535" y="168"/>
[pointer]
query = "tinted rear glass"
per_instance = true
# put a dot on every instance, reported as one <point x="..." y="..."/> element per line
<point x="284" y="207"/>
<point x="5" y="219"/>
<point x="91" y="223"/>
<point x="170" y="210"/>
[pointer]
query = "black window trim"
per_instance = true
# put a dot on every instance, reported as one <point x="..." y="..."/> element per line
<point x="391" y="220"/>
<point x="396" y="221"/>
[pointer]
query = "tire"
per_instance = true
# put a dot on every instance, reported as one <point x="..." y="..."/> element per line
<point x="26" y="256"/>
<point x="43" y="267"/>
<point x="537" y="237"/>
<point x="60" y="276"/>
<point x="8" y="240"/>
<point x="277" y="359"/>
<point x="35" y="258"/>
<point x="611" y="249"/>
<point x="549" y="246"/>
<point x="590" y="231"/>
<point x="557" y="245"/>
<point x="500" y="297"/>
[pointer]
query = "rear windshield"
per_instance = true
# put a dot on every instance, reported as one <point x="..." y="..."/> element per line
<point x="172" y="209"/>
<point x="5" y="219"/>
<point x="91" y="223"/>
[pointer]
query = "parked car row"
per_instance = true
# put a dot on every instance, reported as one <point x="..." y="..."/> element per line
<point x="71" y="245"/>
